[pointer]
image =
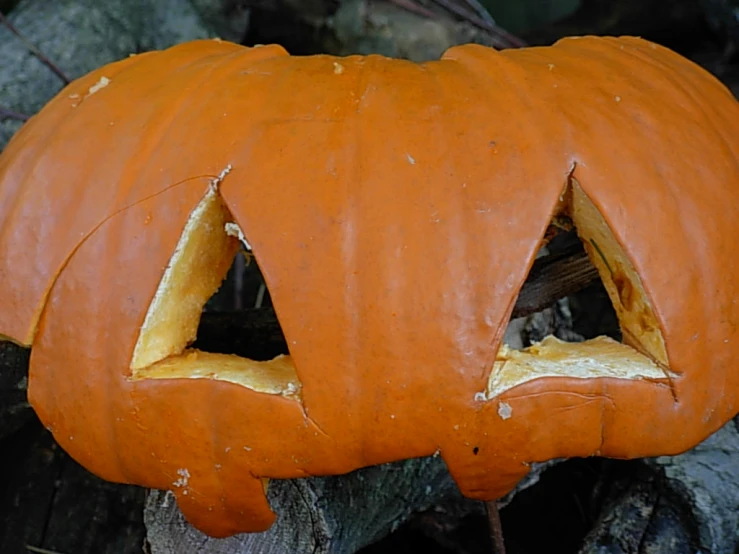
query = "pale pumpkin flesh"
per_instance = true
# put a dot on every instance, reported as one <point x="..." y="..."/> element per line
<point x="195" y="272"/>
<point x="641" y="356"/>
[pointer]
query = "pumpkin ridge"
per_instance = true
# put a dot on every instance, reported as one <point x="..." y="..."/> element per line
<point x="687" y="88"/>
<point x="31" y="332"/>
<point x="158" y="128"/>
<point x="510" y="71"/>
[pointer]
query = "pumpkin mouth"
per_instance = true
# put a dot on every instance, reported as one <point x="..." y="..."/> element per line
<point x="640" y="355"/>
<point x="205" y="251"/>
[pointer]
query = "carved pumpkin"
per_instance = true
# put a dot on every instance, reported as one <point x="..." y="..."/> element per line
<point x="394" y="210"/>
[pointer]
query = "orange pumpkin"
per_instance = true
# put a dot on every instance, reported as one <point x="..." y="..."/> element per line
<point x="394" y="210"/>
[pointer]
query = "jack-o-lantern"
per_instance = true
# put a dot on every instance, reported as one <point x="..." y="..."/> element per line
<point x="395" y="210"/>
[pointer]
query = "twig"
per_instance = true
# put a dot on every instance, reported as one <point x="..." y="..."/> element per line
<point x="553" y="277"/>
<point x="38" y="550"/>
<point x="504" y="38"/>
<point x="496" y="529"/>
<point x="481" y="11"/>
<point x="6" y="113"/>
<point x="34" y="50"/>
<point x="418" y="9"/>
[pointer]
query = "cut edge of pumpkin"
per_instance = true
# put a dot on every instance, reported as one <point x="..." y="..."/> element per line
<point x="641" y="356"/>
<point x="200" y="262"/>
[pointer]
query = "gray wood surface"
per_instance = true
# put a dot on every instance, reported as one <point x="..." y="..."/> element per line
<point x="81" y="35"/>
<point x="325" y="515"/>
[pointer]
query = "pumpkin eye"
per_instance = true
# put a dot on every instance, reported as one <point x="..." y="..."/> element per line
<point x="641" y="355"/>
<point x="201" y="260"/>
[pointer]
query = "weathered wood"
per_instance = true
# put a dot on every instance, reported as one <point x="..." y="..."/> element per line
<point x="48" y="501"/>
<point x="643" y="515"/>
<point x="676" y="505"/>
<point x="81" y="35"/>
<point x="553" y="277"/>
<point x="707" y="477"/>
<point x="669" y="505"/>
<point x="322" y="515"/>
<point x="659" y="511"/>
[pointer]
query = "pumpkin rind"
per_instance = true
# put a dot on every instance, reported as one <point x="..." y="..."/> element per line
<point x="395" y="210"/>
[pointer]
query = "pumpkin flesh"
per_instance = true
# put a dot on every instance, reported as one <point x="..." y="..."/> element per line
<point x="642" y="357"/>
<point x="194" y="273"/>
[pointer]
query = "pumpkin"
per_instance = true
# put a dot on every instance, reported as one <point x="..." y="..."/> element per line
<point x="395" y="210"/>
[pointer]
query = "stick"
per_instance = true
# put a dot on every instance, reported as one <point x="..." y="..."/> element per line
<point x="6" y="113"/>
<point x="504" y="38"/>
<point x="496" y="529"/>
<point x="553" y="277"/>
<point x="36" y="52"/>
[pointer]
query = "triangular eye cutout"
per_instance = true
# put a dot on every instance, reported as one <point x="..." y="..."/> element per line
<point x="640" y="355"/>
<point x="206" y="250"/>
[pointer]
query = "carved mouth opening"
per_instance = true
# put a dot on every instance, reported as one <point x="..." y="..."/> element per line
<point x="209" y="243"/>
<point x="640" y="354"/>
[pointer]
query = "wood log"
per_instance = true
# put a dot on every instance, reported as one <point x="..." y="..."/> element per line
<point x="676" y="504"/>
<point x="81" y="35"/>
<point x="322" y="515"/>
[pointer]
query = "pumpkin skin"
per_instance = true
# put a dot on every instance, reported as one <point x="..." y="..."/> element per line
<point x="395" y="210"/>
